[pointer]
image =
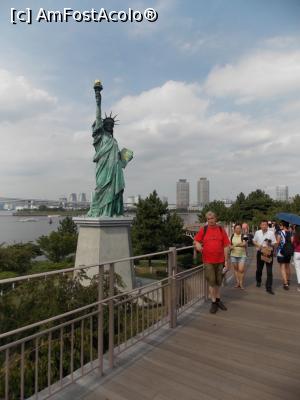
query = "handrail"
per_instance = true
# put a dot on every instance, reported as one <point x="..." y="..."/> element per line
<point x="83" y="267"/>
<point x="131" y="316"/>
<point x="94" y="304"/>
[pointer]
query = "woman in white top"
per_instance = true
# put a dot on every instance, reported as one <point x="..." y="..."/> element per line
<point x="238" y="255"/>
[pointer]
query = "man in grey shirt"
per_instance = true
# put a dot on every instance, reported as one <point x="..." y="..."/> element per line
<point x="262" y="238"/>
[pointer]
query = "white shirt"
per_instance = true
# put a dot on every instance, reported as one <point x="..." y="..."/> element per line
<point x="260" y="237"/>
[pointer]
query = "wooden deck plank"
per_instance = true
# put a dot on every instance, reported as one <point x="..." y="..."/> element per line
<point x="249" y="352"/>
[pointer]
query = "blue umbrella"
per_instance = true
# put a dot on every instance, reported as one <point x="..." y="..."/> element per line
<point x="290" y="218"/>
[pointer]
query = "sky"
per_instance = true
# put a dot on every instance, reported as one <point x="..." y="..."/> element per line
<point x="210" y="89"/>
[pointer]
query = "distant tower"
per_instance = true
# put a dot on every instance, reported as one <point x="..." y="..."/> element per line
<point x="182" y="194"/>
<point x="82" y="198"/>
<point x="282" y="193"/>
<point x="203" y="192"/>
<point x="73" y="198"/>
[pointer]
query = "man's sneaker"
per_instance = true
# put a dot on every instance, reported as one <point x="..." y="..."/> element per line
<point x="221" y="305"/>
<point x="270" y="291"/>
<point x="213" y="308"/>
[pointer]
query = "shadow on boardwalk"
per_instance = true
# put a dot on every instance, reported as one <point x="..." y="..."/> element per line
<point x="249" y="352"/>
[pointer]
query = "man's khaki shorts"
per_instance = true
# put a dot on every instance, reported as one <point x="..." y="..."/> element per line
<point x="214" y="274"/>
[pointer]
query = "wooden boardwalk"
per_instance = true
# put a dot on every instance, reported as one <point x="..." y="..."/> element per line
<point x="251" y="351"/>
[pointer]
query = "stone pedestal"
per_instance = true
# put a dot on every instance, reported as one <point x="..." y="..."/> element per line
<point x="105" y="239"/>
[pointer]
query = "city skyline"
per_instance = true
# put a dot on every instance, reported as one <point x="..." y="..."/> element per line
<point x="209" y="89"/>
<point x="281" y="193"/>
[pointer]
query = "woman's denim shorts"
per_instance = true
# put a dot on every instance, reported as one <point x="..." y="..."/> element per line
<point x="237" y="260"/>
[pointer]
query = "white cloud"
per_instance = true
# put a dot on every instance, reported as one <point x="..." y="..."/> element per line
<point x="282" y="42"/>
<point x="192" y="45"/>
<point x="20" y="99"/>
<point x="174" y="132"/>
<point x="265" y="74"/>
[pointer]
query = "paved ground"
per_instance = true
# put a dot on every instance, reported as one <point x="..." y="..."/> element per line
<point x="249" y="352"/>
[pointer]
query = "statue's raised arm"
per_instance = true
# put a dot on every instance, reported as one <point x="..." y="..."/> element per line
<point x="98" y="124"/>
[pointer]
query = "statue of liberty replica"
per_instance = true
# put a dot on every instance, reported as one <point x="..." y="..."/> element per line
<point x="104" y="233"/>
<point x="110" y="161"/>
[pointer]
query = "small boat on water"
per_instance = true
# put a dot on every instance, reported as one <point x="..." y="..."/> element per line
<point x="28" y="220"/>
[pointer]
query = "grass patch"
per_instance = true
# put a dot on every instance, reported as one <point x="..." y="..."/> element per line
<point x="7" y="274"/>
<point x="46" y="266"/>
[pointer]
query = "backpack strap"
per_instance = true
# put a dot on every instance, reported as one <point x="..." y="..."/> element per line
<point x="231" y="238"/>
<point x="205" y="230"/>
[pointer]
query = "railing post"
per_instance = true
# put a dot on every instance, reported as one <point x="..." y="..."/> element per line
<point x="100" y="318"/>
<point x="111" y="315"/>
<point x="172" y="298"/>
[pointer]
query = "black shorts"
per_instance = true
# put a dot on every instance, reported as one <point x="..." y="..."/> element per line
<point x="284" y="260"/>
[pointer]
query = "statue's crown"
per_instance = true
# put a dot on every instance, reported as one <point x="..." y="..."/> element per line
<point x="111" y="118"/>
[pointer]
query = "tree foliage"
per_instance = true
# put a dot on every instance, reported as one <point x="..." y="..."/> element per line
<point x="37" y="300"/>
<point x="155" y="228"/>
<point x="219" y="208"/>
<point x="17" y="257"/>
<point x="253" y="208"/>
<point x="61" y="243"/>
<point x="67" y="225"/>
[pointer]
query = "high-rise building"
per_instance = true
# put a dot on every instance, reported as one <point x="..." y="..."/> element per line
<point x="82" y="198"/>
<point x="182" y="194"/>
<point x="73" y="198"/>
<point x="282" y="193"/>
<point x="203" y="192"/>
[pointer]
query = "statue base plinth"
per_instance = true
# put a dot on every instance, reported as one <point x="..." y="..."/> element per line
<point x="102" y="240"/>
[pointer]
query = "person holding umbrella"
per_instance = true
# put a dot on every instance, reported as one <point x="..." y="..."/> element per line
<point x="294" y="220"/>
<point x="283" y="237"/>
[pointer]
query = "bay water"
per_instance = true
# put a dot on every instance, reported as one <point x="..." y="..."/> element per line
<point x="17" y="229"/>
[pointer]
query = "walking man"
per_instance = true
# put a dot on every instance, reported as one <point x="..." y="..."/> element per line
<point x="212" y="241"/>
<point x="263" y="239"/>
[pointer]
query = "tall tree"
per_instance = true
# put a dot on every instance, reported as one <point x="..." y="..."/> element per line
<point x="257" y="201"/>
<point x="67" y="225"/>
<point x="154" y="227"/>
<point x="296" y="204"/>
<point x="60" y="244"/>
<point x="219" y="208"/>
<point x="18" y="257"/>
<point x="173" y="235"/>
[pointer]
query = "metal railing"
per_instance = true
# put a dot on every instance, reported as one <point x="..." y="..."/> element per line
<point x="44" y="357"/>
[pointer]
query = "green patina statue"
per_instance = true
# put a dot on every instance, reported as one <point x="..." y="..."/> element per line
<point x="110" y="161"/>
